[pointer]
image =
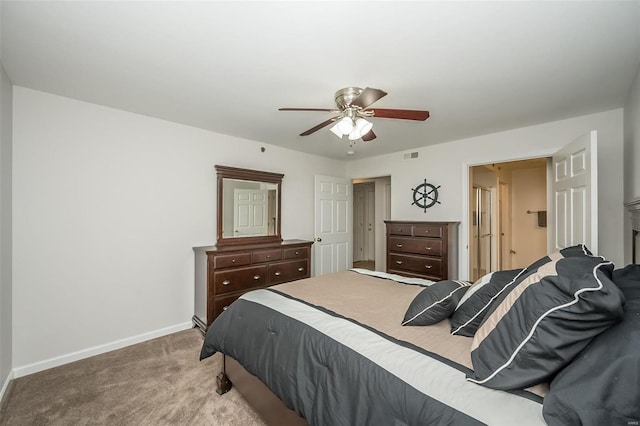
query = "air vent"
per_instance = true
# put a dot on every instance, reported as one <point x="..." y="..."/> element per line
<point x="410" y="155"/>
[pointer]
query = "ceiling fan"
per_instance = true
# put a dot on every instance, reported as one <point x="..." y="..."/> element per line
<point x="353" y="109"/>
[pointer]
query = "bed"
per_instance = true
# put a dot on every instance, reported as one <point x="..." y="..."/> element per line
<point x="333" y="350"/>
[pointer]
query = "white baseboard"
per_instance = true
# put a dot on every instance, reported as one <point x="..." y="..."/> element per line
<point x="96" y="350"/>
<point x="5" y="385"/>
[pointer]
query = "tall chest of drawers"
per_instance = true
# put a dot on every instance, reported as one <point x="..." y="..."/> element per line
<point x="222" y="276"/>
<point x="423" y="249"/>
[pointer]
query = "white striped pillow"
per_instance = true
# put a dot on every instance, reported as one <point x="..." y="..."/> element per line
<point x="435" y="303"/>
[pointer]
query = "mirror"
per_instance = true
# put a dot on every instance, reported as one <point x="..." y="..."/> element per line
<point x="248" y="206"/>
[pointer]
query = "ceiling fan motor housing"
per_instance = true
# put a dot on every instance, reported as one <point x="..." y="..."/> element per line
<point x="345" y="96"/>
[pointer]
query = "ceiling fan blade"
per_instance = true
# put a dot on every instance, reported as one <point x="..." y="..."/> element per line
<point x="318" y="127"/>
<point x="308" y="109"/>
<point x="367" y="97"/>
<point x="369" y="136"/>
<point x="403" y="114"/>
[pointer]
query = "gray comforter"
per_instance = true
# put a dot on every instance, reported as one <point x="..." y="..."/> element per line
<point x="335" y="369"/>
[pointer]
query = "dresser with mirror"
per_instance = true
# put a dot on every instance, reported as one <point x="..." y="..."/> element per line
<point x="249" y="252"/>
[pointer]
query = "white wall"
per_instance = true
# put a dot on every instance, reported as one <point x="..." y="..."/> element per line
<point x="5" y="230"/>
<point x="107" y="206"/>
<point x="631" y="154"/>
<point x="528" y="193"/>
<point x="446" y="165"/>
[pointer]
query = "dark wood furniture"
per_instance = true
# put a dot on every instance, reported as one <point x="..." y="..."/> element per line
<point x="242" y="262"/>
<point x="224" y="274"/>
<point x="423" y="249"/>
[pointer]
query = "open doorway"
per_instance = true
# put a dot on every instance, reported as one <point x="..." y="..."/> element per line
<point x="508" y="208"/>
<point x="371" y="206"/>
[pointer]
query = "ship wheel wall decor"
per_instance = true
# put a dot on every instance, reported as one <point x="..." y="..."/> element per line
<point x="425" y="195"/>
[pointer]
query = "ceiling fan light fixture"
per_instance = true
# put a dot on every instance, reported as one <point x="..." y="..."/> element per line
<point x="345" y="125"/>
<point x="353" y="104"/>
<point x="334" y="129"/>
<point x="363" y="126"/>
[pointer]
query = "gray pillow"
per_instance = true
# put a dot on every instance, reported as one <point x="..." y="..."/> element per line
<point x="435" y="303"/>
<point x="601" y="385"/>
<point x="547" y="316"/>
<point x="475" y="303"/>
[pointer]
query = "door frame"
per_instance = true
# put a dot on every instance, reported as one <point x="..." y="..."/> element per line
<point x="465" y="230"/>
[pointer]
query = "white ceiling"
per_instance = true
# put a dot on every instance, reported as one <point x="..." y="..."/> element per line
<point x="478" y="67"/>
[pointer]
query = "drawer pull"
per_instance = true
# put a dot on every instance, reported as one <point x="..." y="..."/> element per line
<point x="427" y="248"/>
<point x="426" y="232"/>
<point x="277" y="274"/>
<point x="399" y="262"/>
<point x="233" y="261"/>
<point x="297" y="253"/>
<point x="398" y="245"/>
<point x="400" y="230"/>
<point x="428" y="266"/>
<point x="268" y="256"/>
<point x="256" y="277"/>
<point x="224" y="308"/>
<point x="300" y="269"/>
<point x="226" y="282"/>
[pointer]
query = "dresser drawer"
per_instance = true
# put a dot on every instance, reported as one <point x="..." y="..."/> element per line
<point x="431" y="247"/>
<point x="432" y="231"/>
<point x="400" y="229"/>
<point x="288" y="271"/>
<point x="239" y="279"/>
<point x="261" y="256"/>
<point x="296" y="253"/>
<point x="417" y="264"/>
<point x="227" y="260"/>
<point x="221" y="303"/>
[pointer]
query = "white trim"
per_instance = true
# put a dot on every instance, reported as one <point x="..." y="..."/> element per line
<point x="97" y="350"/>
<point x="5" y="385"/>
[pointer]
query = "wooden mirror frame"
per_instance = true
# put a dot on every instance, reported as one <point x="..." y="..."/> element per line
<point x="225" y="172"/>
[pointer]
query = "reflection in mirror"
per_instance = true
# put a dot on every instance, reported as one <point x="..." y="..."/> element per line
<point x="249" y="208"/>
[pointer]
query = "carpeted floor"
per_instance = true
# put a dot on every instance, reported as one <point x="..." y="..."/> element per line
<point x="159" y="382"/>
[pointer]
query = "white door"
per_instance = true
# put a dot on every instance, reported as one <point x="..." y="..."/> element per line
<point x="574" y="194"/>
<point x="332" y="222"/>
<point x="250" y="215"/>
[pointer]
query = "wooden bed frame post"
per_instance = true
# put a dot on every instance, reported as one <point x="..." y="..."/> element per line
<point x="223" y="382"/>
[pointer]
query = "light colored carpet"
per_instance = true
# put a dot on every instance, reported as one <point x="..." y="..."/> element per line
<point x="159" y="382"/>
